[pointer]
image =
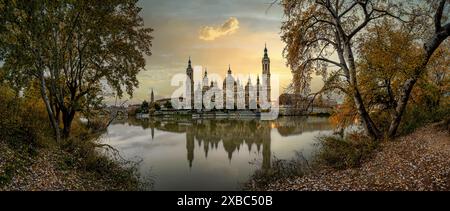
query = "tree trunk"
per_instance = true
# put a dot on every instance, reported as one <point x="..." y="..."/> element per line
<point x="369" y="126"/>
<point x="368" y="123"/>
<point x="68" y="117"/>
<point x="408" y="86"/>
<point x="400" y="110"/>
<point x="48" y="106"/>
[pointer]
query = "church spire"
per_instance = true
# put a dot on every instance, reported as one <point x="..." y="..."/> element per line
<point x="229" y="69"/>
<point x="189" y="70"/>
<point x="205" y="80"/>
<point x="266" y="55"/>
<point x="152" y="97"/>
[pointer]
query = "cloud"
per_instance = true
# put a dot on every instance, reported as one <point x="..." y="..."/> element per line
<point x="210" y="33"/>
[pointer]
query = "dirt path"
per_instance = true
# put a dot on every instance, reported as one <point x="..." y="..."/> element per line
<point x="417" y="162"/>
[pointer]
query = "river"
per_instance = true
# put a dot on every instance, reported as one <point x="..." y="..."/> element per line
<point x="186" y="155"/>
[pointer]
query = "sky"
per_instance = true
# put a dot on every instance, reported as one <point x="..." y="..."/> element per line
<point x="215" y="34"/>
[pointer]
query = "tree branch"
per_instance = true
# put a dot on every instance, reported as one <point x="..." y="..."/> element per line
<point x="325" y="60"/>
<point x="348" y="9"/>
<point x="438" y="16"/>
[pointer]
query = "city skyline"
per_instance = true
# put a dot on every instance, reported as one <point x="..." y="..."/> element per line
<point x="213" y="33"/>
<point x="230" y="92"/>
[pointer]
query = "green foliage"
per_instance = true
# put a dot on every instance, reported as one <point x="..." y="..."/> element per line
<point x="22" y="119"/>
<point x="418" y="116"/>
<point x="345" y="153"/>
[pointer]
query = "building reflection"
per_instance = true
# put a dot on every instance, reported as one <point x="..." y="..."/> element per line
<point x="234" y="134"/>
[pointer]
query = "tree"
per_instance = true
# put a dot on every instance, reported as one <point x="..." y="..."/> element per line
<point x="156" y="106"/>
<point x="145" y="107"/>
<point x="438" y="77"/>
<point x="384" y="68"/>
<point x="322" y="37"/>
<point x="168" y="105"/>
<point x="74" y="48"/>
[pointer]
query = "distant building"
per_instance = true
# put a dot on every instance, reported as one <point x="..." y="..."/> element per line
<point x="166" y="101"/>
<point x="163" y="103"/>
<point x="132" y="109"/>
<point x="235" y="94"/>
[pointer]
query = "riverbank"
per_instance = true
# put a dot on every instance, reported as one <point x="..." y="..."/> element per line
<point x="416" y="162"/>
<point x="55" y="168"/>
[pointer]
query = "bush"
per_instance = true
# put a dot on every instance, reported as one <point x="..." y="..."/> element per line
<point x="86" y="154"/>
<point x="23" y="119"/>
<point x="280" y="169"/>
<point x="346" y="153"/>
<point x="418" y="116"/>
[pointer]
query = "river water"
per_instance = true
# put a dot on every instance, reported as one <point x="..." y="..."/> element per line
<point x="186" y="155"/>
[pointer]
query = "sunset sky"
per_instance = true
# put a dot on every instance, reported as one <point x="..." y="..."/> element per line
<point x="215" y="33"/>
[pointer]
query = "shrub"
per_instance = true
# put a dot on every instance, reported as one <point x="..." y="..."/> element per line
<point x="23" y="119"/>
<point x="86" y="154"/>
<point x="345" y="153"/>
<point x="418" y="116"/>
<point x="279" y="169"/>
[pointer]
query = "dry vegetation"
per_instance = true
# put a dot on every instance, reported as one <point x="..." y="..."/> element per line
<point x="30" y="159"/>
<point x="416" y="162"/>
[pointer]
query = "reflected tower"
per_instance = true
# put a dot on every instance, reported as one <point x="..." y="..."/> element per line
<point x="267" y="152"/>
<point x="190" y="145"/>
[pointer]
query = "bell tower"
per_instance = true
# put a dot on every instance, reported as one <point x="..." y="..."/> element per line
<point x="189" y="86"/>
<point x="266" y="74"/>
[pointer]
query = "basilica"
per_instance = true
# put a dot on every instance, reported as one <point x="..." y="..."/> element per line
<point x="233" y="95"/>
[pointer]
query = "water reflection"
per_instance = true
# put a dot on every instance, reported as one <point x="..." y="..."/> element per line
<point x="205" y="138"/>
